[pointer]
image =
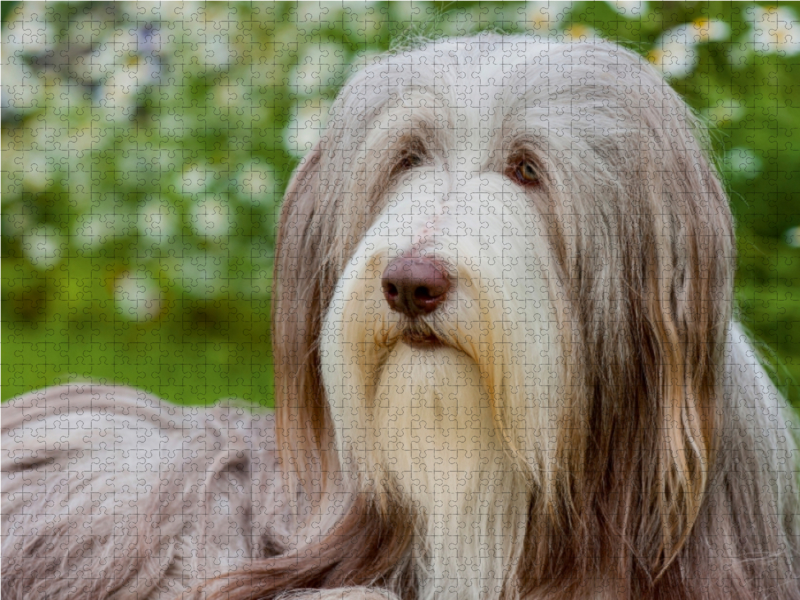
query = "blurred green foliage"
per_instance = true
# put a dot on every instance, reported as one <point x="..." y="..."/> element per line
<point x="146" y="147"/>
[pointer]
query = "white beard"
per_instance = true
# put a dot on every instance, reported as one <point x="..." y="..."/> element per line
<point x="459" y="432"/>
<point x="435" y="443"/>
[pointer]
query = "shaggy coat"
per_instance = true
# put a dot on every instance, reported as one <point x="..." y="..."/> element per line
<point x="579" y="418"/>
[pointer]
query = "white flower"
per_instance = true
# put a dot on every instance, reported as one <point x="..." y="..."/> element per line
<point x="28" y="29"/>
<point x="137" y="295"/>
<point x="674" y="59"/>
<point x="211" y="217"/>
<point x="305" y="126"/>
<point x="775" y="29"/>
<point x="231" y="95"/>
<point x="545" y="17"/>
<point x="256" y="182"/>
<point x="94" y="230"/>
<point x="158" y="221"/>
<point x="22" y="88"/>
<point x="35" y="170"/>
<point x="196" y="179"/>
<point x="120" y="92"/>
<point x="708" y="30"/>
<point x="675" y="52"/>
<point x="43" y="246"/>
<point x="321" y="68"/>
<point x="217" y="51"/>
<point x="725" y="111"/>
<point x="579" y="33"/>
<point x="792" y="237"/>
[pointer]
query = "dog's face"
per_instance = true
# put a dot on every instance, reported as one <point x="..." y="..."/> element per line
<point x="506" y="269"/>
<point x="442" y="347"/>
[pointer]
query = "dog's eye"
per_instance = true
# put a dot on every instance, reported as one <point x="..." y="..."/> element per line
<point x="409" y="161"/>
<point x="406" y="163"/>
<point x="525" y="173"/>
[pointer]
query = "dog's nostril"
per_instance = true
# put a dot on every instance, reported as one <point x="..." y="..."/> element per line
<point x="415" y="286"/>
<point x="422" y="293"/>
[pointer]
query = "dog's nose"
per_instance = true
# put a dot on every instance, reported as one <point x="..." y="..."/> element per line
<point x="414" y="286"/>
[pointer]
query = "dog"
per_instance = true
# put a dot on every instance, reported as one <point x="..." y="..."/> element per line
<point x="506" y="367"/>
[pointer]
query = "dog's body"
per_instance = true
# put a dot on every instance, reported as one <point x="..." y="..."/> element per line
<point x="505" y="360"/>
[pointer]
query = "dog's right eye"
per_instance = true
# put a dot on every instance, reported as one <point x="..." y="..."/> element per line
<point x="406" y="163"/>
<point x="409" y="162"/>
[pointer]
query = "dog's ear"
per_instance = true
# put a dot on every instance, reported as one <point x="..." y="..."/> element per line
<point x="680" y="277"/>
<point x="302" y="291"/>
<point x="653" y="278"/>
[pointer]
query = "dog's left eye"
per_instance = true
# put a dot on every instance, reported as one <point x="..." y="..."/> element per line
<point x="525" y="173"/>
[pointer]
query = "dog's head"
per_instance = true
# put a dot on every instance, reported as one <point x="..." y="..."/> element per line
<point x="504" y="283"/>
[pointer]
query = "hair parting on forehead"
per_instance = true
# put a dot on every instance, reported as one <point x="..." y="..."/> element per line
<point x="647" y="491"/>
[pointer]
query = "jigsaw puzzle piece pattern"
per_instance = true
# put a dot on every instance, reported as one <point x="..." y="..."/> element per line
<point x="109" y="492"/>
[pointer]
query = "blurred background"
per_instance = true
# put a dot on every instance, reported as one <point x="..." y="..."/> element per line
<point x="146" y="147"/>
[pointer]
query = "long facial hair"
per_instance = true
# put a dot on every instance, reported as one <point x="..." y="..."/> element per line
<point x="439" y="415"/>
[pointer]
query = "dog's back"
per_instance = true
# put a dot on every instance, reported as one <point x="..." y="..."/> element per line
<point x="110" y="493"/>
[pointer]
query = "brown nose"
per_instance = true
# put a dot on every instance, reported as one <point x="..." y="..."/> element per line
<point x="414" y="286"/>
